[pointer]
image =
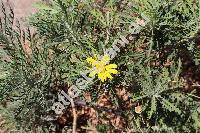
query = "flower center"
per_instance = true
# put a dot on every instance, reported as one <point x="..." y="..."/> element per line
<point x="99" y="67"/>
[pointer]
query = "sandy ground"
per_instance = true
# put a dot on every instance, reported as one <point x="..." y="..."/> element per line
<point x="21" y="8"/>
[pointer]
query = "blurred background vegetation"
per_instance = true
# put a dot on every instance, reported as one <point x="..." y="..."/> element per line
<point x="158" y="85"/>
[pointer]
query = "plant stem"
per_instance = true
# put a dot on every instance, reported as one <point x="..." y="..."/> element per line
<point x="74" y="115"/>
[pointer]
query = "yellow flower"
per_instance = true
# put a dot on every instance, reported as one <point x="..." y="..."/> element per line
<point x="102" y="68"/>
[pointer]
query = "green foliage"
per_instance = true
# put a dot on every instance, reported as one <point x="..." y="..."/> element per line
<point x="39" y="65"/>
<point x="7" y="121"/>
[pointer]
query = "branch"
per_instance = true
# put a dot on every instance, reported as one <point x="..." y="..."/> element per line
<point x="74" y="115"/>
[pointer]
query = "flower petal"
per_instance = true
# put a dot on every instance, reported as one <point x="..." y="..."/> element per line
<point x="107" y="74"/>
<point x="105" y="59"/>
<point x="101" y="68"/>
<point x="90" y="60"/>
<point x="110" y="66"/>
<point x="101" y="77"/>
<point x="114" y="71"/>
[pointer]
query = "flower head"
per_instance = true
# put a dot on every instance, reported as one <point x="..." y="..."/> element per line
<point x="138" y="109"/>
<point x="102" y="68"/>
